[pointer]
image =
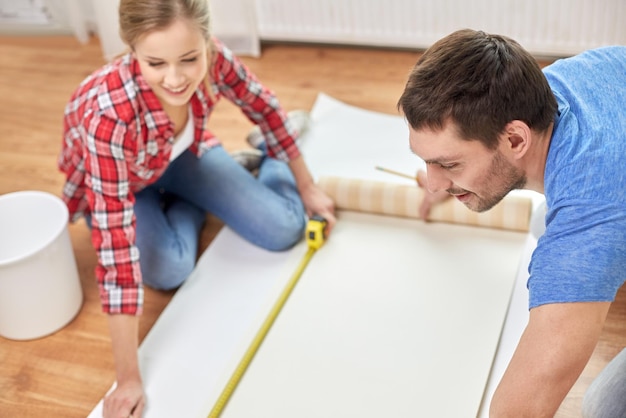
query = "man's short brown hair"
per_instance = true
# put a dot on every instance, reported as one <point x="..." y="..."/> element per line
<point x="479" y="82"/>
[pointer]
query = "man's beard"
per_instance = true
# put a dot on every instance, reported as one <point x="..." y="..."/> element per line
<point x="507" y="178"/>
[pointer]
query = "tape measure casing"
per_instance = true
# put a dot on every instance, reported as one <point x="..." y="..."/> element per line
<point x="315" y="231"/>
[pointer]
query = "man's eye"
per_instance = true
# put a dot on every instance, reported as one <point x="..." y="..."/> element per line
<point x="448" y="166"/>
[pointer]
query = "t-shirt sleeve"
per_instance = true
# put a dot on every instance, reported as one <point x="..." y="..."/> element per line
<point x="582" y="255"/>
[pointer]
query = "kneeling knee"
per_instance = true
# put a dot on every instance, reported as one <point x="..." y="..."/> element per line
<point x="162" y="274"/>
<point x="284" y="238"/>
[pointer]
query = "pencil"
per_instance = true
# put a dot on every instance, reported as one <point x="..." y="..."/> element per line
<point x="397" y="173"/>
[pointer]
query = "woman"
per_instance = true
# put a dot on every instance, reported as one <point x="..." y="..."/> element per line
<point x="144" y="171"/>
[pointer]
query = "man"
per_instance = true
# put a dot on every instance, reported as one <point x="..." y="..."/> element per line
<point x="487" y="120"/>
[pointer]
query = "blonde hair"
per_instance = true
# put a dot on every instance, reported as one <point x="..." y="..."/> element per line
<point x="138" y="17"/>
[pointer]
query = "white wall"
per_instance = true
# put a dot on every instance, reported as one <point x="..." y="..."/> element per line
<point x="33" y="17"/>
<point x="235" y="23"/>
<point x="553" y="27"/>
<point x="543" y="27"/>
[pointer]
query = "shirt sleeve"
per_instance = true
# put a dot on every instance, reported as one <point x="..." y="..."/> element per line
<point x="113" y="220"/>
<point x="581" y="255"/>
<point x="257" y="102"/>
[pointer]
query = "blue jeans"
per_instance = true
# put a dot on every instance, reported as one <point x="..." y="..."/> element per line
<point x="267" y="211"/>
<point x="606" y="396"/>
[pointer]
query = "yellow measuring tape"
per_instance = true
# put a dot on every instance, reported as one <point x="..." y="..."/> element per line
<point x="315" y="239"/>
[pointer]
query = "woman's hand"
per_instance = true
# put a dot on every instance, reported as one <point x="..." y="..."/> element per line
<point x="127" y="400"/>
<point x="430" y="199"/>
<point x="316" y="202"/>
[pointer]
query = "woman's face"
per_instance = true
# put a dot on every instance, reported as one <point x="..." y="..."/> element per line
<point x="173" y="61"/>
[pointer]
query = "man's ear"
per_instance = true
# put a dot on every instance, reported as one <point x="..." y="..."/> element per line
<point x="517" y="138"/>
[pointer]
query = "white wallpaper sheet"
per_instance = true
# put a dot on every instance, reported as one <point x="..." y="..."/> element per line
<point x="392" y="318"/>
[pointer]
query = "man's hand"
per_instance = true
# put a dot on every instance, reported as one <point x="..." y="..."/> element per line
<point x="127" y="400"/>
<point x="551" y="354"/>
<point x="430" y="199"/>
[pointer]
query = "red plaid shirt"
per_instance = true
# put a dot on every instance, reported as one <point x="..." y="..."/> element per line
<point x="118" y="140"/>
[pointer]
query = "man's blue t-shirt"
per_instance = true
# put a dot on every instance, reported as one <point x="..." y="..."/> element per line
<point x="582" y="255"/>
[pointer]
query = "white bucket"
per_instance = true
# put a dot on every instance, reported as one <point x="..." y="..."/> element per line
<point x="40" y="288"/>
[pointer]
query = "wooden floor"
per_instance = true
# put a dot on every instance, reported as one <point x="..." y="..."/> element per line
<point x="67" y="373"/>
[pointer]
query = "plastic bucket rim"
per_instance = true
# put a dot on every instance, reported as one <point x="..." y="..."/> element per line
<point x="45" y="243"/>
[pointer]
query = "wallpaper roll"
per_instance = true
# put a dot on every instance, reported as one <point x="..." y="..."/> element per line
<point x="512" y="213"/>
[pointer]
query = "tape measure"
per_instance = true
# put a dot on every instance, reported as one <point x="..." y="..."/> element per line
<point x="316" y="232"/>
<point x="315" y="236"/>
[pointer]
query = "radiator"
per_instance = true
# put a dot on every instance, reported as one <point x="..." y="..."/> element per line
<point x="543" y="27"/>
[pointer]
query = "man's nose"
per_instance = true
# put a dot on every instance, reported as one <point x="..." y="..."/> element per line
<point x="437" y="179"/>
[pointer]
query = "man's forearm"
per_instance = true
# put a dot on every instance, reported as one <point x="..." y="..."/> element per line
<point x="551" y="354"/>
